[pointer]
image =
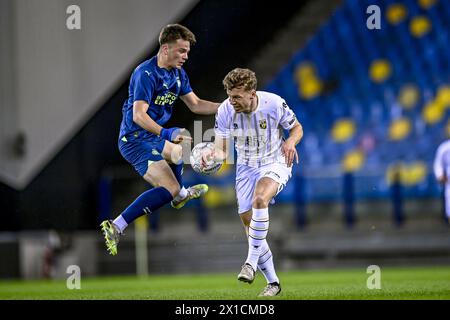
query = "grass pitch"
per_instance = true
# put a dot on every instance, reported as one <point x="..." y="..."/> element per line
<point x="396" y="283"/>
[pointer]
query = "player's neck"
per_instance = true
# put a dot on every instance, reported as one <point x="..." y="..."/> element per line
<point x="254" y="105"/>
<point x="161" y="62"/>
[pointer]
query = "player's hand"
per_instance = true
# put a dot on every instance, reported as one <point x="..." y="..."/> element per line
<point x="174" y="135"/>
<point x="443" y="179"/>
<point x="289" y="152"/>
<point x="182" y="138"/>
<point x="208" y="155"/>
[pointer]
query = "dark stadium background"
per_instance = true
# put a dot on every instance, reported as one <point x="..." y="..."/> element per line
<point x="382" y="207"/>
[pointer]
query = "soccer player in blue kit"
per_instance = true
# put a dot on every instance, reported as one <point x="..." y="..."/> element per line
<point x="154" y="151"/>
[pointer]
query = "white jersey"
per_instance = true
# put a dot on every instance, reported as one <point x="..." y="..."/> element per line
<point x="442" y="161"/>
<point x="258" y="135"/>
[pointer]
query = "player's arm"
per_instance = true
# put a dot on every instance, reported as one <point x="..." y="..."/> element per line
<point x="222" y="137"/>
<point x="199" y="106"/>
<point x="141" y="117"/>
<point x="220" y="151"/>
<point x="438" y="167"/>
<point x="288" y="148"/>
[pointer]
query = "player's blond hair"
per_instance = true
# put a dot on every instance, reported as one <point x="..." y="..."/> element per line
<point x="173" y="32"/>
<point x="239" y="77"/>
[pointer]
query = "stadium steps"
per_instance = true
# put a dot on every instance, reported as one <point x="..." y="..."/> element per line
<point x="301" y="28"/>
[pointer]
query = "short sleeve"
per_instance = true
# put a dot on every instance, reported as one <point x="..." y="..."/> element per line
<point x="185" y="84"/>
<point x="287" y="116"/>
<point x="142" y="86"/>
<point x="222" y="124"/>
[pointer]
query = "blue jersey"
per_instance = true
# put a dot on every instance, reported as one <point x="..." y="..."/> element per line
<point x="157" y="86"/>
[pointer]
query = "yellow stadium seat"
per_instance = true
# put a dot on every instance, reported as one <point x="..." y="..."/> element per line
<point x="223" y="171"/>
<point x="353" y="161"/>
<point x="419" y="26"/>
<point x="409" y="174"/>
<point x="219" y="196"/>
<point x="399" y="129"/>
<point x="343" y="130"/>
<point x="380" y="70"/>
<point x="443" y="96"/>
<point x="427" y="3"/>
<point x="416" y="173"/>
<point x="310" y="88"/>
<point x="305" y="70"/>
<point x="408" y="96"/>
<point x="309" y="84"/>
<point x="396" y="13"/>
<point x="432" y="112"/>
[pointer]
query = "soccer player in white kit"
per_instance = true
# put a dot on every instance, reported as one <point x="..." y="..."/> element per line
<point x="254" y="120"/>
<point x="441" y="168"/>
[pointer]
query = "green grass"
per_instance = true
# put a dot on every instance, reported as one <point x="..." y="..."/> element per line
<point x="396" y="283"/>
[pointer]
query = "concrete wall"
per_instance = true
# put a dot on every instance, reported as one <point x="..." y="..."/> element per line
<point x="54" y="79"/>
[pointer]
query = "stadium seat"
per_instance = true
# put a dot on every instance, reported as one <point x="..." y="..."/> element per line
<point x="387" y="84"/>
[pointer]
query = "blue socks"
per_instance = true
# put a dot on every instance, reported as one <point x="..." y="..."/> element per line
<point x="147" y="202"/>
<point x="152" y="199"/>
<point x="177" y="170"/>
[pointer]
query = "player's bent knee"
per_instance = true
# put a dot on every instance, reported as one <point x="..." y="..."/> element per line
<point x="259" y="202"/>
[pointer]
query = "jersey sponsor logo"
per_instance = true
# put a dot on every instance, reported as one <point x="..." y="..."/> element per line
<point x="169" y="98"/>
<point x="263" y="124"/>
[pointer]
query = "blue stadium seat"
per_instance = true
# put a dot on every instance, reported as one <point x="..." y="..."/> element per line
<point x="342" y="52"/>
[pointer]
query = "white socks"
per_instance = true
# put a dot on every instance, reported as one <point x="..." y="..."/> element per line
<point x="181" y="195"/>
<point x="259" y="253"/>
<point x="265" y="264"/>
<point x="120" y="223"/>
<point x="257" y="232"/>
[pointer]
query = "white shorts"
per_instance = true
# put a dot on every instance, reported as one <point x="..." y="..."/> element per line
<point x="247" y="177"/>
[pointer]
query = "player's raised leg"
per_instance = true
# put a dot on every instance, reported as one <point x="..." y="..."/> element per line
<point x="158" y="174"/>
<point x="173" y="154"/>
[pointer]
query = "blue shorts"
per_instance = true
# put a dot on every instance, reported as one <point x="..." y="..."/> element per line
<point x="141" y="153"/>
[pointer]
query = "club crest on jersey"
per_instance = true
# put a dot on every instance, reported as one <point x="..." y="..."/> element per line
<point x="235" y="125"/>
<point x="263" y="124"/>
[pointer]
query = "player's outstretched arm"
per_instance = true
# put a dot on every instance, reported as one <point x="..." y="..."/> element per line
<point x="288" y="148"/>
<point x="199" y="106"/>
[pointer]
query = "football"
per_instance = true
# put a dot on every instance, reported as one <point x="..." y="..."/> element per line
<point x="197" y="164"/>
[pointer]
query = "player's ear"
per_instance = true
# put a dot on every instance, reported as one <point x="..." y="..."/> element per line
<point x="165" y="49"/>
